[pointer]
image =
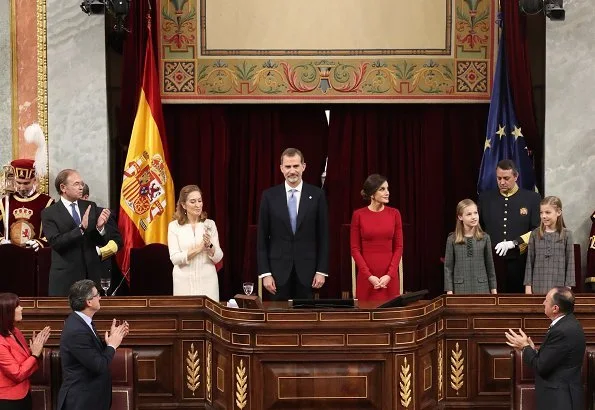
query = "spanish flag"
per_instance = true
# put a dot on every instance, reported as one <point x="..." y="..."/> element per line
<point x="147" y="198"/>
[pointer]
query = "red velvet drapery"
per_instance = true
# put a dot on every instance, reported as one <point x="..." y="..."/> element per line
<point x="429" y="152"/>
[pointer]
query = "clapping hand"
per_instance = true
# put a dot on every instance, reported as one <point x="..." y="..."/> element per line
<point x="85" y="220"/>
<point x="116" y="334"/>
<point x="518" y="341"/>
<point x="38" y="340"/>
<point x="102" y="218"/>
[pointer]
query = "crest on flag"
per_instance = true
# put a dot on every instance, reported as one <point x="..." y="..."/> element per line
<point x="143" y="187"/>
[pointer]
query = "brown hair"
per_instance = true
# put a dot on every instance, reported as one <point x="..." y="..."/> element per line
<point x="292" y="152"/>
<point x="371" y="185"/>
<point x="61" y="178"/>
<point x="460" y="229"/>
<point x="180" y="214"/>
<point x="8" y="304"/>
<point x="560" y="225"/>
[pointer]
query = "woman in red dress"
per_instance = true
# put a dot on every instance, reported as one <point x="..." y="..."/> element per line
<point x="377" y="243"/>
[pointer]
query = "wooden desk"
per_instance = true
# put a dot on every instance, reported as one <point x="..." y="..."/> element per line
<point x="444" y="353"/>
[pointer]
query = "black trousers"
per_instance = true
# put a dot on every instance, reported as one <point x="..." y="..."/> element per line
<point x="510" y="271"/>
<point x="23" y="404"/>
<point x="293" y="288"/>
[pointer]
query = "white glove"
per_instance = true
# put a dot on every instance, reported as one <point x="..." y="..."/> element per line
<point x="4" y="241"/>
<point x="32" y="244"/>
<point x="504" y="247"/>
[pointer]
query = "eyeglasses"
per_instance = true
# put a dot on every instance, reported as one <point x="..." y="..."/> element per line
<point x="94" y="296"/>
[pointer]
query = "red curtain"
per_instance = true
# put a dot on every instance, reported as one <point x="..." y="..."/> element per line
<point x="430" y="154"/>
<point x="232" y="152"/>
<point x="519" y="75"/>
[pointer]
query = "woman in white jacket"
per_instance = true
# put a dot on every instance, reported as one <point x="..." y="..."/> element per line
<point x="194" y="248"/>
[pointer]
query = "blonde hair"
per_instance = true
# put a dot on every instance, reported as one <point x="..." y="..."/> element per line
<point x="180" y="214"/>
<point x="555" y="202"/>
<point x="460" y="229"/>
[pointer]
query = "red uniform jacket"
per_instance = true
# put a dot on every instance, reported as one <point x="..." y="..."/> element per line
<point x="16" y="366"/>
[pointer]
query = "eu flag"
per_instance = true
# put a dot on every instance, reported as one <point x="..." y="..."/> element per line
<point x="504" y="137"/>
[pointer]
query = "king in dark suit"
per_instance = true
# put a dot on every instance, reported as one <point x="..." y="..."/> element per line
<point x="293" y="234"/>
<point x="85" y="357"/>
<point x="78" y="234"/>
<point x="559" y="360"/>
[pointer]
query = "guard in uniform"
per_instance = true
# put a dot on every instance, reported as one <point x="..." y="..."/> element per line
<point x="508" y="216"/>
<point x="20" y="212"/>
<point x="590" y="280"/>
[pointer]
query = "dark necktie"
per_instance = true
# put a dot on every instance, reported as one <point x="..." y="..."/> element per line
<point x="292" y="205"/>
<point x="75" y="214"/>
<point x="95" y="331"/>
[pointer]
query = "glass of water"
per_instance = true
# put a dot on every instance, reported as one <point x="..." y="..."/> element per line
<point x="248" y="288"/>
<point x="105" y="284"/>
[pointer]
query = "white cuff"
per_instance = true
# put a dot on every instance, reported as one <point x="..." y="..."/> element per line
<point x="264" y="275"/>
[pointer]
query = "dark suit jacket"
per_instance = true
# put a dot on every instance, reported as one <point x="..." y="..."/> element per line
<point x="557" y="365"/>
<point x="74" y="255"/>
<point x="86" y="375"/>
<point x="279" y="249"/>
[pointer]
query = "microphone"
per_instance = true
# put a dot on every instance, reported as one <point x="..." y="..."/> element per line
<point x="124" y="276"/>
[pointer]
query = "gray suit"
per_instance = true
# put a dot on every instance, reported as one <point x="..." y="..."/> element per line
<point x="469" y="267"/>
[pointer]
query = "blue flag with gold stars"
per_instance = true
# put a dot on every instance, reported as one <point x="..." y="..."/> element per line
<point x="504" y="137"/>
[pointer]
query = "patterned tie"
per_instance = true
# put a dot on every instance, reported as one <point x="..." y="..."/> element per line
<point x="75" y="214"/>
<point x="292" y="205"/>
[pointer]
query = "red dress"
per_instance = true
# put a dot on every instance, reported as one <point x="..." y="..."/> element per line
<point x="377" y="248"/>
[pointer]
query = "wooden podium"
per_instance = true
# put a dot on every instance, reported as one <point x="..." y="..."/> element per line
<point x="194" y="353"/>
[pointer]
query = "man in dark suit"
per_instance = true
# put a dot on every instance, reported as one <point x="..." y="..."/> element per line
<point x="509" y="215"/>
<point x="85" y="358"/>
<point x="78" y="234"/>
<point x="558" y="361"/>
<point x="293" y="234"/>
<point x="109" y="264"/>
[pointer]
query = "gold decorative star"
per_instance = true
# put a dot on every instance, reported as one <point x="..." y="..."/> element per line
<point x="501" y="131"/>
<point x="517" y="132"/>
<point x="487" y="144"/>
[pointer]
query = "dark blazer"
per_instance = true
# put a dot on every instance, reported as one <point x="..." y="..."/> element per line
<point x="279" y="249"/>
<point x="557" y="365"/>
<point x="86" y="375"/>
<point x="74" y="255"/>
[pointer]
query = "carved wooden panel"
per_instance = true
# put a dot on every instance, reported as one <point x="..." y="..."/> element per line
<point x="457" y="369"/>
<point x="241" y="382"/>
<point x="222" y="378"/>
<point x="494" y="368"/>
<point x="322" y="384"/>
<point x="192" y="369"/>
<point x="155" y="371"/>
<point x="405" y="384"/>
<point x="427" y="379"/>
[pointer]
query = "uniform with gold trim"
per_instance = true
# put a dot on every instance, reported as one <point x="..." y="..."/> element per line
<point x="510" y="217"/>
<point x="24" y="212"/>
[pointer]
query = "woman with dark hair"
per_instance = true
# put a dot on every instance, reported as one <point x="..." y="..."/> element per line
<point x="17" y="360"/>
<point x="377" y="243"/>
<point x="194" y="249"/>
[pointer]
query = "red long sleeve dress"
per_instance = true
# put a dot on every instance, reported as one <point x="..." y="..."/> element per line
<point x="377" y="248"/>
